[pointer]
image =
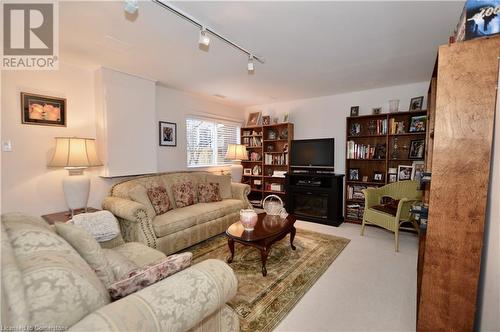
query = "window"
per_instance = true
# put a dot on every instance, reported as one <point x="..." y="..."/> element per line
<point x="207" y="141"/>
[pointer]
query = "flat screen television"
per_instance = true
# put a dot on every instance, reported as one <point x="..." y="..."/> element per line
<point x="314" y="153"/>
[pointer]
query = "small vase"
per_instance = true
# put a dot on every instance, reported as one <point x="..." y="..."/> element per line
<point x="248" y="219"/>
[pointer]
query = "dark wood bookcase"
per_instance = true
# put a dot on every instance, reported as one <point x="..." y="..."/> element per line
<point x="385" y="147"/>
<point x="271" y="143"/>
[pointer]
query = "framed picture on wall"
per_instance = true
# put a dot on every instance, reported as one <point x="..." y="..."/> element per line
<point x="43" y="110"/>
<point x="168" y="133"/>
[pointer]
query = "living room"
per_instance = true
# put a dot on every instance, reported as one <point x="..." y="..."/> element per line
<point x="288" y="166"/>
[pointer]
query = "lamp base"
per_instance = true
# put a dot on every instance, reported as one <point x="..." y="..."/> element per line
<point x="76" y="191"/>
<point x="236" y="171"/>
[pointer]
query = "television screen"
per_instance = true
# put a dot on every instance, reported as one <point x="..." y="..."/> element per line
<point x="313" y="153"/>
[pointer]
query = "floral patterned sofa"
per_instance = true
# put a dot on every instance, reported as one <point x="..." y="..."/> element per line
<point x="180" y="227"/>
<point x="48" y="286"/>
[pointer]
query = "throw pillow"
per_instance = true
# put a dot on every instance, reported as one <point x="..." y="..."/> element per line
<point x="88" y="248"/>
<point x="224" y="182"/>
<point x="143" y="277"/>
<point x="183" y="194"/>
<point x="159" y="199"/>
<point x="208" y="192"/>
<point x="139" y="194"/>
<point x="119" y="264"/>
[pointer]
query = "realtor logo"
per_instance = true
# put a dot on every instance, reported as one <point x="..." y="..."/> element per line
<point x="30" y="36"/>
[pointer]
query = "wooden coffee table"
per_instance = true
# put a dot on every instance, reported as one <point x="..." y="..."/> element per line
<point x="269" y="229"/>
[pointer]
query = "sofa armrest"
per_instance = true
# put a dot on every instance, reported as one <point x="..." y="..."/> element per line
<point x="240" y="191"/>
<point x="372" y="197"/>
<point x="177" y="303"/>
<point x="135" y="223"/>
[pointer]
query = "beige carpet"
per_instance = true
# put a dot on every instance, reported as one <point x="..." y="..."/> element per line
<point x="262" y="302"/>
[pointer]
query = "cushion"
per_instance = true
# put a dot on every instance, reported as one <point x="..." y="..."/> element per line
<point x="159" y="199"/>
<point x="179" y="219"/>
<point x="224" y="182"/>
<point x="143" y="277"/>
<point x="140" y="254"/>
<point x="120" y="265"/>
<point x="60" y="287"/>
<point x="209" y="192"/>
<point x="88" y="248"/>
<point x="183" y="194"/>
<point x="102" y="225"/>
<point x="388" y="205"/>
<point x="139" y="194"/>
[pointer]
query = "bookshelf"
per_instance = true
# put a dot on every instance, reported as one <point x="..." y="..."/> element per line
<point x="267" y="148"/>
<point x="379" y="143"/>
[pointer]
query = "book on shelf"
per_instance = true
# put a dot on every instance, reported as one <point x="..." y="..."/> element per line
<point x="380" y="127"/>
<point x="255" y="156"/>
<point x="356" y="191"/>
<point x="252" y="141"/>
<point x="360" y="151"/>
<point x="276" y="159"/>
<point x="396" y="127"/>
<point x="355" y="211"/>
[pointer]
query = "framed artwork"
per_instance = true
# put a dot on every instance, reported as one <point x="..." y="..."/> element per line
<point x="416" y="103"/>
<point x="354" y="110"/>
<point x="353" y="174"/>
<point x="378" y="176"/>
<point x="418" y="123"/>
<point x="365" y="178"/>
<point x="377" y="110"/>
<point x="285" y="118"/>
<point x="254" y="119"/>
<point x="247" y="171"/>
<point x="168" y="134"/>
<point x="417" y="149"/>
<point x="266" y="120"/>
<point x="393" y="178"/>
<point x="43" y="110"/>
<point x="404" y="172"/>
<point x="418" y="169"/>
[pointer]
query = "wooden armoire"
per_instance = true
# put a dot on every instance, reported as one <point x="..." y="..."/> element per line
<point x="461" y="117"/>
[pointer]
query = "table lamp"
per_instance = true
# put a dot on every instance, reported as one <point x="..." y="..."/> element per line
<point x="75" y="154"/>
<point x="236" y="153"/>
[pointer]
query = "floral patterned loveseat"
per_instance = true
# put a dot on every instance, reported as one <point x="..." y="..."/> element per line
<point x="48" y="286"/>
<point x="180" y="227"/>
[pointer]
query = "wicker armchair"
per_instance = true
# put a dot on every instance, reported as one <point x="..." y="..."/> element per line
<point x="386" y="216"/>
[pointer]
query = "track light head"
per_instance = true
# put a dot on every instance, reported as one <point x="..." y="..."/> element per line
<point x="250" y="65"/>
<point x="131" y="6"/>
<point x="204" y="38"/>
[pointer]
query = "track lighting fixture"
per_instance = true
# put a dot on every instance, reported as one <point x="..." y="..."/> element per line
<point x="131" y="6"/>
<point x="204" y="38"/>
<point x="250" y="65"/>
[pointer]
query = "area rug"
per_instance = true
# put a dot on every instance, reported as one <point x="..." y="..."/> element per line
<point x="262" y="302"/>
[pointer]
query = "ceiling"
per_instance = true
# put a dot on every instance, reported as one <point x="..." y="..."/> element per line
<point x="311" y="48"/>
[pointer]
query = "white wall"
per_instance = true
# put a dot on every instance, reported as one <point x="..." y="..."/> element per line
<point x="27" y="184"/>
<point x="175" y="106"/>
<point x="489" y="287"/>
<point x="325" y="116"/>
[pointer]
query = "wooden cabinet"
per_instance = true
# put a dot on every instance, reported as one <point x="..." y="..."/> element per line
<point x="466" y="81"/>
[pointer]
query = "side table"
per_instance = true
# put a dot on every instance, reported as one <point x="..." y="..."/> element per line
<point x="64" y="216"/>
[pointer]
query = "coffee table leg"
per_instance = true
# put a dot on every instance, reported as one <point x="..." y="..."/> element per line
<point x="263" y="255"/>
<point x="292" y="236"/>
<point x="230" y="243"/>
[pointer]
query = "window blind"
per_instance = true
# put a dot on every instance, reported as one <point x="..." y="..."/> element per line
<point x="207" y="141"/>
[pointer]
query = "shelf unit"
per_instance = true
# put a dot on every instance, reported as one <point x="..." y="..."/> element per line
<point x="260" y="140"/>
<point x="368" y="130"/>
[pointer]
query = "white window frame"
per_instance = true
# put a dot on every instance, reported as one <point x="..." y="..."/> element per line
<point x="216" y="121"/>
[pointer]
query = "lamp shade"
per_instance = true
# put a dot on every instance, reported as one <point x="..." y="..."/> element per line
<point x="75" y="152"/>
<point x="236" y="152"/>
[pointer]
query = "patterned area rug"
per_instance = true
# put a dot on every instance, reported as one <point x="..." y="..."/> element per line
<point x="262" y="302"/>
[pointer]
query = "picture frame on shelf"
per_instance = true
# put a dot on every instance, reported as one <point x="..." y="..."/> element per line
<point x="355" y="129"/>
<point x="286" y="118"/>
<point x="418" y="170"/>
<point x="404" y="172"/>
<point x="365" y="178"/>
<point x="377" y="110"/>
<point x="393" y="178"/>
<point x="257" y="170"/>
<point x="266" y="120"/>
<point x="353" y="174"/>
<point x="378" y="177"/>
<point x="417" y="149"/>
<point x="254" y="118"/>
<point x="247" y="171"/>
<point x="354" y="110"/>
<point x="43" y="110"/>
<point x="416" y="103"/>
<point x="418" y="123"/>
<point x="167" y="133"/>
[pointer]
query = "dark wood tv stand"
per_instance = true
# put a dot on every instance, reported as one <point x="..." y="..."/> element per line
<point x="315" y="196"/>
